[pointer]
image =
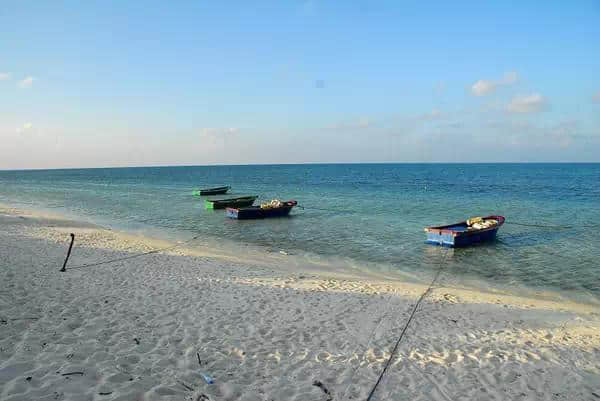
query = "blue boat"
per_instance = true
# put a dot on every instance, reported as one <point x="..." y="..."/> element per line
<point x="465" y="233"/>
<point x="261" y="212"/>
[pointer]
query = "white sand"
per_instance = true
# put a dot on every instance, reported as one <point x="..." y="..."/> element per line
<point x="134" y="328"/>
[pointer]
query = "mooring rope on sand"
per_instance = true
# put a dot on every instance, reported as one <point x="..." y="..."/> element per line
<point x="103" y="262"/>
<point x="366" y="347"/>
<point x="410" y="318"/>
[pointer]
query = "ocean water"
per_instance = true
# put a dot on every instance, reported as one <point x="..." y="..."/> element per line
<point x="364" y="216"/>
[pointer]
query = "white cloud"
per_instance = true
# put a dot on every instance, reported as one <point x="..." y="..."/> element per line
<point x="509" y="78"/>
<point x="432" y="115"/>
<point x="419" y="124"/>
<point x="218" y="132"/>
<point x="485" y="87"/>
<point x="26" y="83"/>
<point x="527" y="135"/>
<point x="596" y="97"/>
<point x="361" y="123"/>
<point x="527" y="103"/>
<point x="364" y="122"/>
<point x="25" y="127"/>
<point x="563" y="134"/>
<point x="439" y="88"/>
<point x="4" y="76"/>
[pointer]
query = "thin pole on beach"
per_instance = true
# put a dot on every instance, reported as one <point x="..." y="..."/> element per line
<point x="64" y="268"/>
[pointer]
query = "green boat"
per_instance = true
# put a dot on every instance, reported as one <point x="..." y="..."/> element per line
<point x="211" y="191"/>
<point x="243" y="201"/>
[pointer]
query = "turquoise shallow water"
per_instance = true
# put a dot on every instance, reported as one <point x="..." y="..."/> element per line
<point x="368" y="215"/>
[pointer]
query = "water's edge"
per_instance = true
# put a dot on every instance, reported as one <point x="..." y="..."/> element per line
<point x="274" y="259"/>
<point x="361" y="217"/>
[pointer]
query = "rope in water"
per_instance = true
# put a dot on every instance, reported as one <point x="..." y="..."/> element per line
<point x="542" y="225"/>
<point x="104" y="262"/>
<point x="196" y="237"/>
<point x="548" y="226"/>
<point x="410" y="318"/>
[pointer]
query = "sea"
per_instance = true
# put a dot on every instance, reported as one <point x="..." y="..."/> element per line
<point x="366" y="217"/>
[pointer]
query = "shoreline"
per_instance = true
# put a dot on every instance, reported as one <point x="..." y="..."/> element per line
<point x="56" y="227"/>
<point x="137" y="328"/>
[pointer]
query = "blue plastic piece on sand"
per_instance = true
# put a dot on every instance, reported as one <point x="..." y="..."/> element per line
<point x="207" y="378"/>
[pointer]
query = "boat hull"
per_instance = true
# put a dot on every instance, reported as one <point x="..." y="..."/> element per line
<point x="461" y="240"/>
<point x="256" y="212"/>
<point x="459" y="235"/>
<point x="233" y="203"/>
<point x="211" y="191"/>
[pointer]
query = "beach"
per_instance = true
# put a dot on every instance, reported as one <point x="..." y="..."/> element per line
<point x="150" y="327"/>
<point x="299" y="201"/>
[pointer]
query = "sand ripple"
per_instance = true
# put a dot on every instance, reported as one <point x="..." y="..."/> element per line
<point x="135" y="330"/>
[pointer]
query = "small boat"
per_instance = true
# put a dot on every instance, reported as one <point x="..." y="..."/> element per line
<point x="273" y="209"/>
<point x="243" y="201"/>
<point x="465" y="233"/>
<point x="211" y="191"/>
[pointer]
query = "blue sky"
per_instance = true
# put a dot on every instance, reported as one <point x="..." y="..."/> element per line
<point x="102" y="83"/>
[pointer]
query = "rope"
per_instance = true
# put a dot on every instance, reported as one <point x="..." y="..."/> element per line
<point x="548" y="226"/>
<point x="327" y="210"/>
<point x="371" y="336"/>
<point x="134" y="256"/>
<point x="540" y="225"/>
<point x="410" y="318"/>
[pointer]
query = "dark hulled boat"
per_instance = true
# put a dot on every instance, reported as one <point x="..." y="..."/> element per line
<point x="465" y="233"/>
<point x="261" y="212"/>
<point x="243" y="201"/>
<point x="211" y="191"/>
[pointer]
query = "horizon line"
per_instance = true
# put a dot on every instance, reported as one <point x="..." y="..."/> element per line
<point x="292" y="164"/>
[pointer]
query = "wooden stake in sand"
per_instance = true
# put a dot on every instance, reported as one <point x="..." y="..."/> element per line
<point x="64" y="268"/>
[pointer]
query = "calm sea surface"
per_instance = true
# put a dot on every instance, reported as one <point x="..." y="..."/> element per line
<point x="368" y="216"/>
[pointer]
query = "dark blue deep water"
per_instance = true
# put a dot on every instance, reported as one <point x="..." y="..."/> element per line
<point x="368" y="216"/>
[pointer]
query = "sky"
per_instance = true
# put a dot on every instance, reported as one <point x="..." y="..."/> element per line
<point x="141" y="83"/>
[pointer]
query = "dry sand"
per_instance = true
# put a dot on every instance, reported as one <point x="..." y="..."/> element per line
<point x="264" y="329"/>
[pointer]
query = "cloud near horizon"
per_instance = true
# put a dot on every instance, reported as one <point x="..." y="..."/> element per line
<point x="218" y="133"/>
<point x="25" y="127"/>
<point x="485" y="87"/>
<point x="523" y="134"/>
<point x="4" y="76"/>
<point x="596" y="97"/>
<point x="432" y="115"/>
<point x="363" y="122"/>
<point x="527" y="104"/>
<point x="26" y="82"/>
<point x="563" y="134"/>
